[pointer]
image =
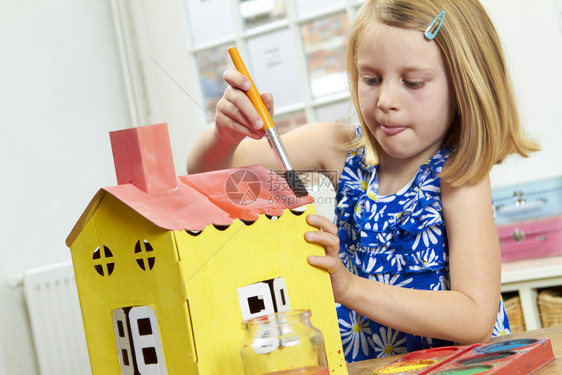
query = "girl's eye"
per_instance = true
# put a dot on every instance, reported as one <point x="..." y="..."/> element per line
<point x="414" y="84"/>
<point x="371" y="81"/>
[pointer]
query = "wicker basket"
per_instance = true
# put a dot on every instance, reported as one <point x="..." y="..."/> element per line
<point x="514" y="311"/>
<point x="550" y="306"/>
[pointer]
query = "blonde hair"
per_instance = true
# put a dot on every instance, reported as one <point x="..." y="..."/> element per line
<point x="486" y="128"/>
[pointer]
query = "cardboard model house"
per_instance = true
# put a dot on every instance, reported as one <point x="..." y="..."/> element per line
<point x="168" y="267"/>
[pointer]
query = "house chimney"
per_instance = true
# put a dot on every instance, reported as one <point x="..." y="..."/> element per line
<point x="143" y="157"/>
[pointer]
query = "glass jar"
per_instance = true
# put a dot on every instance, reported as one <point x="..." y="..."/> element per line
<point x="284" y="343"/>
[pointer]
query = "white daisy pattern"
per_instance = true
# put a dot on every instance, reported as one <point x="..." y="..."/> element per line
<point x="429" y="237"/>
<point x="356" y="335"/>
<point x="389" y="342"/>
<point x="398" y="239"/>
<point x="390" y="279"/>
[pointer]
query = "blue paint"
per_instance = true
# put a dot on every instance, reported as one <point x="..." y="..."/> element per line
<point x="505" y="345"/>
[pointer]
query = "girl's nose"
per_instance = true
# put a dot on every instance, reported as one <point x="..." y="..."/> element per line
<point x="387" y="97"/>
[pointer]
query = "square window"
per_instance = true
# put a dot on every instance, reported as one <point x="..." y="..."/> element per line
<point x="256" y="13"/>
<point x="256" y="304"/>
<point x="149" y="355"/>
<point x="212" y="63"/>
<point x="273" y="55"/>
<point x="308" y="7"/>
<point x="209" y="20"/>
<point x="323" y="40"/>
<point x="145" y="328"/>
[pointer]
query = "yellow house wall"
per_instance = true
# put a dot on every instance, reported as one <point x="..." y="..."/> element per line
<point x="215" y="263"/>
<point x="118" y="227"/>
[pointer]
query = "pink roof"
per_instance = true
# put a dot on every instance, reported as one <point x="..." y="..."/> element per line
<point x="148" y="184"/>
<point x="203" y="199"/>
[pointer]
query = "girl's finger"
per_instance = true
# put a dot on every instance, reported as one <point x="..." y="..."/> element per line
<point x="234" y="110"/>
<point x="231" y="130"/>
<point x="237" y="80"/>
<point x="243" y="108"/>
<point x="267" y="98"/>
<point x="322" y="222"/>
<point x="328" y="263"/>
<point x="323" y="238"/>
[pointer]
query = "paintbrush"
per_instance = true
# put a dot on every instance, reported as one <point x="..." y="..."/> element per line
<point x="270" y="130"/>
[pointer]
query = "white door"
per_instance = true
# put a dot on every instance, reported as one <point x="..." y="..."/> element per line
<point x="123" y="340"/>
<point x="138" y="341"/>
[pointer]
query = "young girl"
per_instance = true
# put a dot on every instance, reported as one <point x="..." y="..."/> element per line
<point x="413" y="255"/>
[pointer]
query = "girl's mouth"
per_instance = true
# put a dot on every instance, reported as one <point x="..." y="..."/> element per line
<point x="392" y="130"/>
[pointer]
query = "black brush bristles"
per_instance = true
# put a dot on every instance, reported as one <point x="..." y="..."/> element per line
<point x="295" y="183"/>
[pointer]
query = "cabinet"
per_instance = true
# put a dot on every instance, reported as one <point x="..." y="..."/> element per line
<point x="528" y="276"/>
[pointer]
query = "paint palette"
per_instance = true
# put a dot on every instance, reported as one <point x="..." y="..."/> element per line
<point x="522" y="356"/>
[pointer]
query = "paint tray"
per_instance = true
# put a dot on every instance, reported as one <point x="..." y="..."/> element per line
<point x="522" y="356"/>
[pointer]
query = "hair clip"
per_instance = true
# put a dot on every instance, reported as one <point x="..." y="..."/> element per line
<point x="430" y="35"/>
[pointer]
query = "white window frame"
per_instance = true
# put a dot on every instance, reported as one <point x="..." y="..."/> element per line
<point x="293" y="22"/>
<point x="160" y="68"/>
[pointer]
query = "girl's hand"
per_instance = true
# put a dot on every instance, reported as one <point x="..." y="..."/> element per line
<point x="236" y="117"/>
<point x="341" y="278"/>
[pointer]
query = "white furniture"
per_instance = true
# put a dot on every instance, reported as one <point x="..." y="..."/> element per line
<point x="528" y="276"/>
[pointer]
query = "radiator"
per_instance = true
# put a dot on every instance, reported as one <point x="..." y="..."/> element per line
<point x="56" y="320"/>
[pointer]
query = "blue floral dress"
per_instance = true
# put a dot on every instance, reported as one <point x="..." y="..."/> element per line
<point x="398" y="239"/>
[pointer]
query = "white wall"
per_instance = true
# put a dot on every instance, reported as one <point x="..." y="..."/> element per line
<point x="532" y="36"/>
<point x="164" y="80"/>
<point x="61" y="92"/>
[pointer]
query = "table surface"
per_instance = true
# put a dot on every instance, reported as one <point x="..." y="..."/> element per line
<point x="554" y="367"/>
